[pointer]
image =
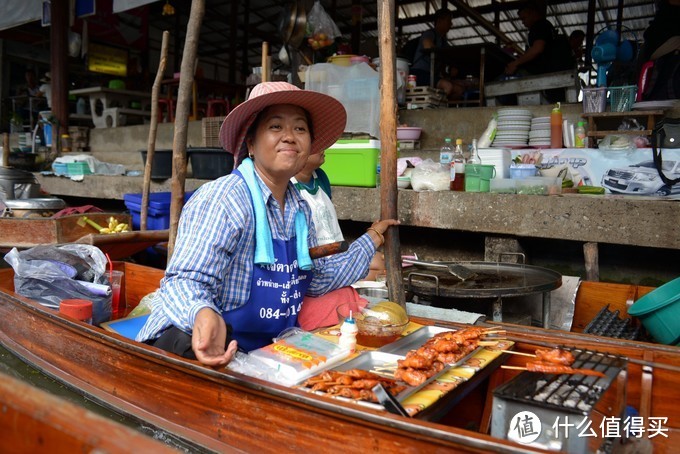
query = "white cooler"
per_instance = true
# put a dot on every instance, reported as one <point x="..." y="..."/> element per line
<point x="499" y="157"/>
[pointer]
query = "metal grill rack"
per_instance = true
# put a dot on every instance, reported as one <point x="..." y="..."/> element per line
<point x="607" y="323"/>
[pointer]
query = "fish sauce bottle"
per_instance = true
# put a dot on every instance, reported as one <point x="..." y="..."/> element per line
<point x="458" y="168"/>
<point x="556" y="127"/>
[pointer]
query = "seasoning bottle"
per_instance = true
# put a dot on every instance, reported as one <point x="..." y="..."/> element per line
<point x="65" y="143"/>
<point x="580" y="135"/>
<point x="348" y="334"/>
<point x="556" y="127"/>
<point x="474" y="154"/>
<point x="458" y="168"/>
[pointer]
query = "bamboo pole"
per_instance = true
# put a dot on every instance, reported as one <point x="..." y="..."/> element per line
<point x="388" y="144"/>
<point x="179" y="142"/>
<point x="153" y="129"/>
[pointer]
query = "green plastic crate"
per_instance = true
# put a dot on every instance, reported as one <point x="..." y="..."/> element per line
<point x="352" y="163"/>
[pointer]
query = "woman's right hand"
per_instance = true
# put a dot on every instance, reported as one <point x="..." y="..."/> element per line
<point x="209" y="338"/>
<point x="377" y="230"/>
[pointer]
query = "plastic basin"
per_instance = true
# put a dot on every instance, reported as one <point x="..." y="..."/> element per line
<point x="659" y="312"/>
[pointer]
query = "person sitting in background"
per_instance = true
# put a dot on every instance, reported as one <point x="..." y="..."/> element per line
<point x="241" y="264"/>
<point x="576" y="45"/>
<point x="315" y="188"/>
<point x="46" y="89"/>
<point x="421" y="65"/>
<point x="537" y="58"/>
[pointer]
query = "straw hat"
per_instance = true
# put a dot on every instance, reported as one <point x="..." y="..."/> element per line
<point x="327" y="113"/>
<point x="46" y="78"/>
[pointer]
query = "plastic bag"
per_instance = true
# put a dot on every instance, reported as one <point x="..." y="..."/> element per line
<point x="618" y="143"/>
<point x="49" y="274"/>
<point x="486" y="139"/>
<point x="321" y="29"/>
<point x="430" y="176"/>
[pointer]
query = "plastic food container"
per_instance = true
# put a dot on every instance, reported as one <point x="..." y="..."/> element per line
<point x="522" y="170"/>
<point x="379" y="324"/>
<point x="503" y="186"/>
<point x="539" y="186"/>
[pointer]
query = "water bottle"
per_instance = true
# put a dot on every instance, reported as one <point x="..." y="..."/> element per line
<point x="446" y="152"/>
<point x="348" y="335"/>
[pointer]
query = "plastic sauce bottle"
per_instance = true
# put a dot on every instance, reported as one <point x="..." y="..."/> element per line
<point x="446" y="152"/>
<point x="580" y="135"/>
<point x="458" y="168"/>
<point x="348" y="335"/>
<point x="556" y="127"/>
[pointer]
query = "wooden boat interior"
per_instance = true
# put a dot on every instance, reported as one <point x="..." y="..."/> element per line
<point x="128" y="375"/>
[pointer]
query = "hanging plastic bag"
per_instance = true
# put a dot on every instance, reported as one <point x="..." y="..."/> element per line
<point x="49" y="274"/>
<point x="321" y="29"/>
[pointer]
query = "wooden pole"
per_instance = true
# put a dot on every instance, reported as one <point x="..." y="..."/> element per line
<point x="153" y="129"/>
<point x="179" y="142"/>
<point x="5" y="149"/>
<point x="590" y="252"/>
<point x="388" y="145"/>
<point x="265" y="61"/>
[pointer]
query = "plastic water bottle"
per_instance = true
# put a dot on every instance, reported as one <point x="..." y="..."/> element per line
<point x="446" y="152"/>
<point x="348" y="335"/>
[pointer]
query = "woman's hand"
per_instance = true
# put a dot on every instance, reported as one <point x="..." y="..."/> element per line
<point x="209" y="338"/>
<point x="377" y="230"/>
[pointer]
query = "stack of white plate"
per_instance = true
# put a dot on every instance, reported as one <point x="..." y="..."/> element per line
<point x="513" y="128"/>
<point x="539" y="136"/>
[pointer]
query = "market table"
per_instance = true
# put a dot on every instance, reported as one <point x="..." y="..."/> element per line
<point x="110" y="107"/>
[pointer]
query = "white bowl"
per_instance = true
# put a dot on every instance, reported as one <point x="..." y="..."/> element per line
<point x="408" y="133"/>
<point x="403" y="182"/>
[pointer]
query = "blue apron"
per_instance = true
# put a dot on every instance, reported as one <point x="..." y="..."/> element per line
<point x="276" y="294"/>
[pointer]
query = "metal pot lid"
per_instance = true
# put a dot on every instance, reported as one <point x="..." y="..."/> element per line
<point x="492" y="280"/>
<point x="44" y="203"/>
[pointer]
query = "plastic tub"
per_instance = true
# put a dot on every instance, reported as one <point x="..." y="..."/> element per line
<point x="210" y="163"/>
<point x="478" y="177"/>
<point x="408" y="133"/>
<point x="162" y="164"/>
<point x="659" y="312"/>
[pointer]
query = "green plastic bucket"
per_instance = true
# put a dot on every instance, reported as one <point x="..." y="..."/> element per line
<point x="659" y="312"/>
<point x="478" y="177"/>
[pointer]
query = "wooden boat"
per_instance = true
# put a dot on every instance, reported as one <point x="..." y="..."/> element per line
<point x="220" y="410"/>
<point x="28" y="232"/>
<point x="38" y="420"/>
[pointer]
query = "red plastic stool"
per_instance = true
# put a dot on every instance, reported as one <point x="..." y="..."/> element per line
<point x="169" y="105"/>
<point x="218" y="107"/>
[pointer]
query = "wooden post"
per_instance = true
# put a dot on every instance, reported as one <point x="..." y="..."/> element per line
<point x="265" y="61"/>
<point x="179" y="142"/>
<point x="388" y="146"/>
<point x="153" y="128"/>
<point x="592" y="261"/>
<point x="5" y="149"/>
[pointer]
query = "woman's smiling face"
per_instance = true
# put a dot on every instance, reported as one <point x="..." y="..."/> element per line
<point x="282" y="141"/>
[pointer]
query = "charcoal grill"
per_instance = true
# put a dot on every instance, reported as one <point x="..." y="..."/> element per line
<point x="556" y="397"/>
<point x="608" y="323"/>
<point x="492" y="280"/>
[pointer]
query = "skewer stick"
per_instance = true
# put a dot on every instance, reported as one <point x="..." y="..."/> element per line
<point x="518" y="353"/>
<point x="503" y="366"/>
<point x="487" y="343"/>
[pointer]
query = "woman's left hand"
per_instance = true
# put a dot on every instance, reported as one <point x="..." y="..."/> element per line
<point x="377" y="230"/>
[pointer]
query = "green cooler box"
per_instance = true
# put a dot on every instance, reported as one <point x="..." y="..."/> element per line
<point x="352" y="162"/>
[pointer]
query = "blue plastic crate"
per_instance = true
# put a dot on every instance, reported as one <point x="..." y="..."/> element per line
<point x="159" y="209"/>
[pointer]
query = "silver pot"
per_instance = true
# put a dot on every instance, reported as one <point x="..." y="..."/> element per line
<point x="18" y="184"/>
<point x="30" y="208"/>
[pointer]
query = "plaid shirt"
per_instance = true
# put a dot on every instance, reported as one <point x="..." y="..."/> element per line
<point x="212" y="263"/>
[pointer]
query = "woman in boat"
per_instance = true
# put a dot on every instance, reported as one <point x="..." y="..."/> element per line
<point x="241" y="264"/>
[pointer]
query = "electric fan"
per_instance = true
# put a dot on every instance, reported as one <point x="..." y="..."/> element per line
<point x="610" y="47"/>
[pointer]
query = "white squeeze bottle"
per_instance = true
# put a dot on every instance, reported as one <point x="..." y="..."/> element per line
<point x="348" y="334"/>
